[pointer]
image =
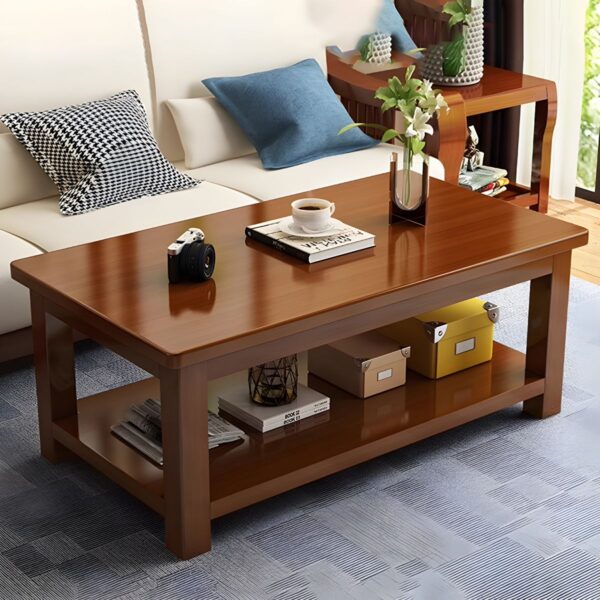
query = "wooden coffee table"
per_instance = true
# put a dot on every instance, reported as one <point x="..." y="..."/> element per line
<point x="263" y="305"/>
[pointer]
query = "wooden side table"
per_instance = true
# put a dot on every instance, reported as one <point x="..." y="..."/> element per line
<point x="499" y="89"/>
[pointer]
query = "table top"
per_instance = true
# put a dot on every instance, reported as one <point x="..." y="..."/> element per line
<point x="498" y="88"/>
<point x="122" y="282"/>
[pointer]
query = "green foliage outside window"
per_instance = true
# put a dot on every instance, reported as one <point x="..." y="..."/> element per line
<point x="590" y="118"/>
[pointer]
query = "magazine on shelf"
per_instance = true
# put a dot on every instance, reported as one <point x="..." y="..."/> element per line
<point x="238" y="404"/>
<point x="481" y="177"/>
<point x="311" y="250"/>
<point x="142" y="430"/>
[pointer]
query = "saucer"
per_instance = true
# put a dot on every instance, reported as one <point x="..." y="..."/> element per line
<point x="288" y="226"/>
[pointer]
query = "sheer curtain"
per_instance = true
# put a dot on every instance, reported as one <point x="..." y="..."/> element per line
<point x="554" y="49"/>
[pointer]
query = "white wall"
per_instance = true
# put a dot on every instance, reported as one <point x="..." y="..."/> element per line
<point x="554" y="49"/>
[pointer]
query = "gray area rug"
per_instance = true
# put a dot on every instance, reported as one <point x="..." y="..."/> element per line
<point x="505" y="508"/>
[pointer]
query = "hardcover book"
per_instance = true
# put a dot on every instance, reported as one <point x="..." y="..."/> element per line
<point x="311" y="250"/>
<point x="237" y="403"/>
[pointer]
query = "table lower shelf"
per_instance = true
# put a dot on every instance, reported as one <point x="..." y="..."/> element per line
<point x="352" y="432"/>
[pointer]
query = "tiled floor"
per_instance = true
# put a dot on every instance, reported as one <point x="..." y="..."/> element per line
<point x="506" y="508"/>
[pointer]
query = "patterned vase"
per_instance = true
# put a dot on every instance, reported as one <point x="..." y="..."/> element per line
<point x="432" y="63"/>
<point x="380" y="48"/>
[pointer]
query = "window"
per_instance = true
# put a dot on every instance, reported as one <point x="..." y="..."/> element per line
<point x="588" y="167"/>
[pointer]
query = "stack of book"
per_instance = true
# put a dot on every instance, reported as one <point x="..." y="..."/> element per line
<point x="238" y="404"/>
<point x="485" y="180"/>
<point x="314" y="249"/>
<point x="142" y="429"/>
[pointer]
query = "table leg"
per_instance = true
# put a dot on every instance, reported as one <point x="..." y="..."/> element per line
<point x="55" y="376"/>
<point x="184" y="399"/>
<point x="548" y="303"/>
<point x="545" y="120"/>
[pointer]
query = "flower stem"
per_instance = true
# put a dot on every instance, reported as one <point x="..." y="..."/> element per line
<point x="408" y="158"/>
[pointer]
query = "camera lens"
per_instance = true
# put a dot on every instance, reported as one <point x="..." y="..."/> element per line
<point x="198" y="261"/>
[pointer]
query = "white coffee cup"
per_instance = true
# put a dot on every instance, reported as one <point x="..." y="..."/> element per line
<point x="312" y="214"/>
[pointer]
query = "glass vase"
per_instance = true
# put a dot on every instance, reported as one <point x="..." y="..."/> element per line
<point x="274" y="383"/>
<point x="409" y="190"/>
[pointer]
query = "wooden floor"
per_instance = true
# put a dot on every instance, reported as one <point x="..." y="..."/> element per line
<point x="586" y="261"/>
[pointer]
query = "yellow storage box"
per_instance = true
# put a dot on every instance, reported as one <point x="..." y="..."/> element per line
<point x="449" y="339"/>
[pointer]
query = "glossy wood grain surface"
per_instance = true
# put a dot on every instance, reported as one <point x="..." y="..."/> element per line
<point x="121" y="283"/>
<point x="353" y="430"/>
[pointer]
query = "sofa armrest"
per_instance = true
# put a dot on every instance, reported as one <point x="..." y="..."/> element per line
<point x="356" y="91"/>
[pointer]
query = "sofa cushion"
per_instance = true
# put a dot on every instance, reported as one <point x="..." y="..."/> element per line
<point x="61" y="53"/>
<point x="14" y="297"/>
<point x="290" y="114"/>
<point x="97" y="153"/>
<point x="42" y="224"/>
<point x="247" y="174"/>
<point x="208" y="134"/>
<point x="191" y="40"/>
<point x="391" y="21"/>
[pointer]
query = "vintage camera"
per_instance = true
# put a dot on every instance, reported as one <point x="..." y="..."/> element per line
<point x="189" y="258"/>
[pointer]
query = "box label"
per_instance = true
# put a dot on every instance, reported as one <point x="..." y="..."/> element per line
<point x="384" y="374"/>
<point x="465" y="346"/>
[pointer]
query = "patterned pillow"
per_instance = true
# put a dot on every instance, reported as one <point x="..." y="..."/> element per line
<point x="97" y="153"/>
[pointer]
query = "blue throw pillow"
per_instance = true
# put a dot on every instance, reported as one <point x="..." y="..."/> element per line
<point x="390" y="21"/>
<point x="290" y="115"/>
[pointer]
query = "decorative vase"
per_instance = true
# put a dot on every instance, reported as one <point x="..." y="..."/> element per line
<point x="409" y="191"/>
<point x="380" y="48"/>
<point x="274" y="383"/>
<point x="432" y="65"/>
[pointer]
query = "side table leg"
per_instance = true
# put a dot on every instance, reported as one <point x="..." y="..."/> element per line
<point x="55" y="376"/>
<point x="545" y="120"/>
<point x="548" y="303"/>
<point x="184" y="400"/>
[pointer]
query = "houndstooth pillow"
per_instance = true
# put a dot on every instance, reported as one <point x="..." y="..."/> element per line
<point x="97" y="153"/>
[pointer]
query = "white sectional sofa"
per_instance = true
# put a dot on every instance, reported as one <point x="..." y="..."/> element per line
<point x="61" y="52"/>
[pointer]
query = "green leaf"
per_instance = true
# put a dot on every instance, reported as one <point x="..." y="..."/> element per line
<point x="350" y="126"/>
<point x="457" y="11"/>
<point x="390" y="134"/>
<point x="456" y="19"/>
<point x="395" y="86"/>
<point x="364" y="48"/>
<point x="417" y="145"/>
<point x="384" y="93"/>
<point x="391" y="103"/>
<point x="454" y="57"/>
<point x="369" y="125"/>
<point x="415" y="51"/>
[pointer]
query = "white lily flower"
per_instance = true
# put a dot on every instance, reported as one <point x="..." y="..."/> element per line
<point x="418" y="124"/>
<point x="427" y="87"/>
<point x="441" y="103"/>
<point x="433" y="104"/>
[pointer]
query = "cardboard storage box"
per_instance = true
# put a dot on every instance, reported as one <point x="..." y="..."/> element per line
<point x="364" y="365"/>
<point x="449" y="339"/>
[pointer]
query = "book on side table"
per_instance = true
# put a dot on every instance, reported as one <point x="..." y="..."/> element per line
<point x="485" y="180"/>
<point x="311" y="249"/>
<point x="238" y="404"/>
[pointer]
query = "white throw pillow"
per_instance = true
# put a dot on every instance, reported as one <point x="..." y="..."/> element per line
<point x="208" y="134"/>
